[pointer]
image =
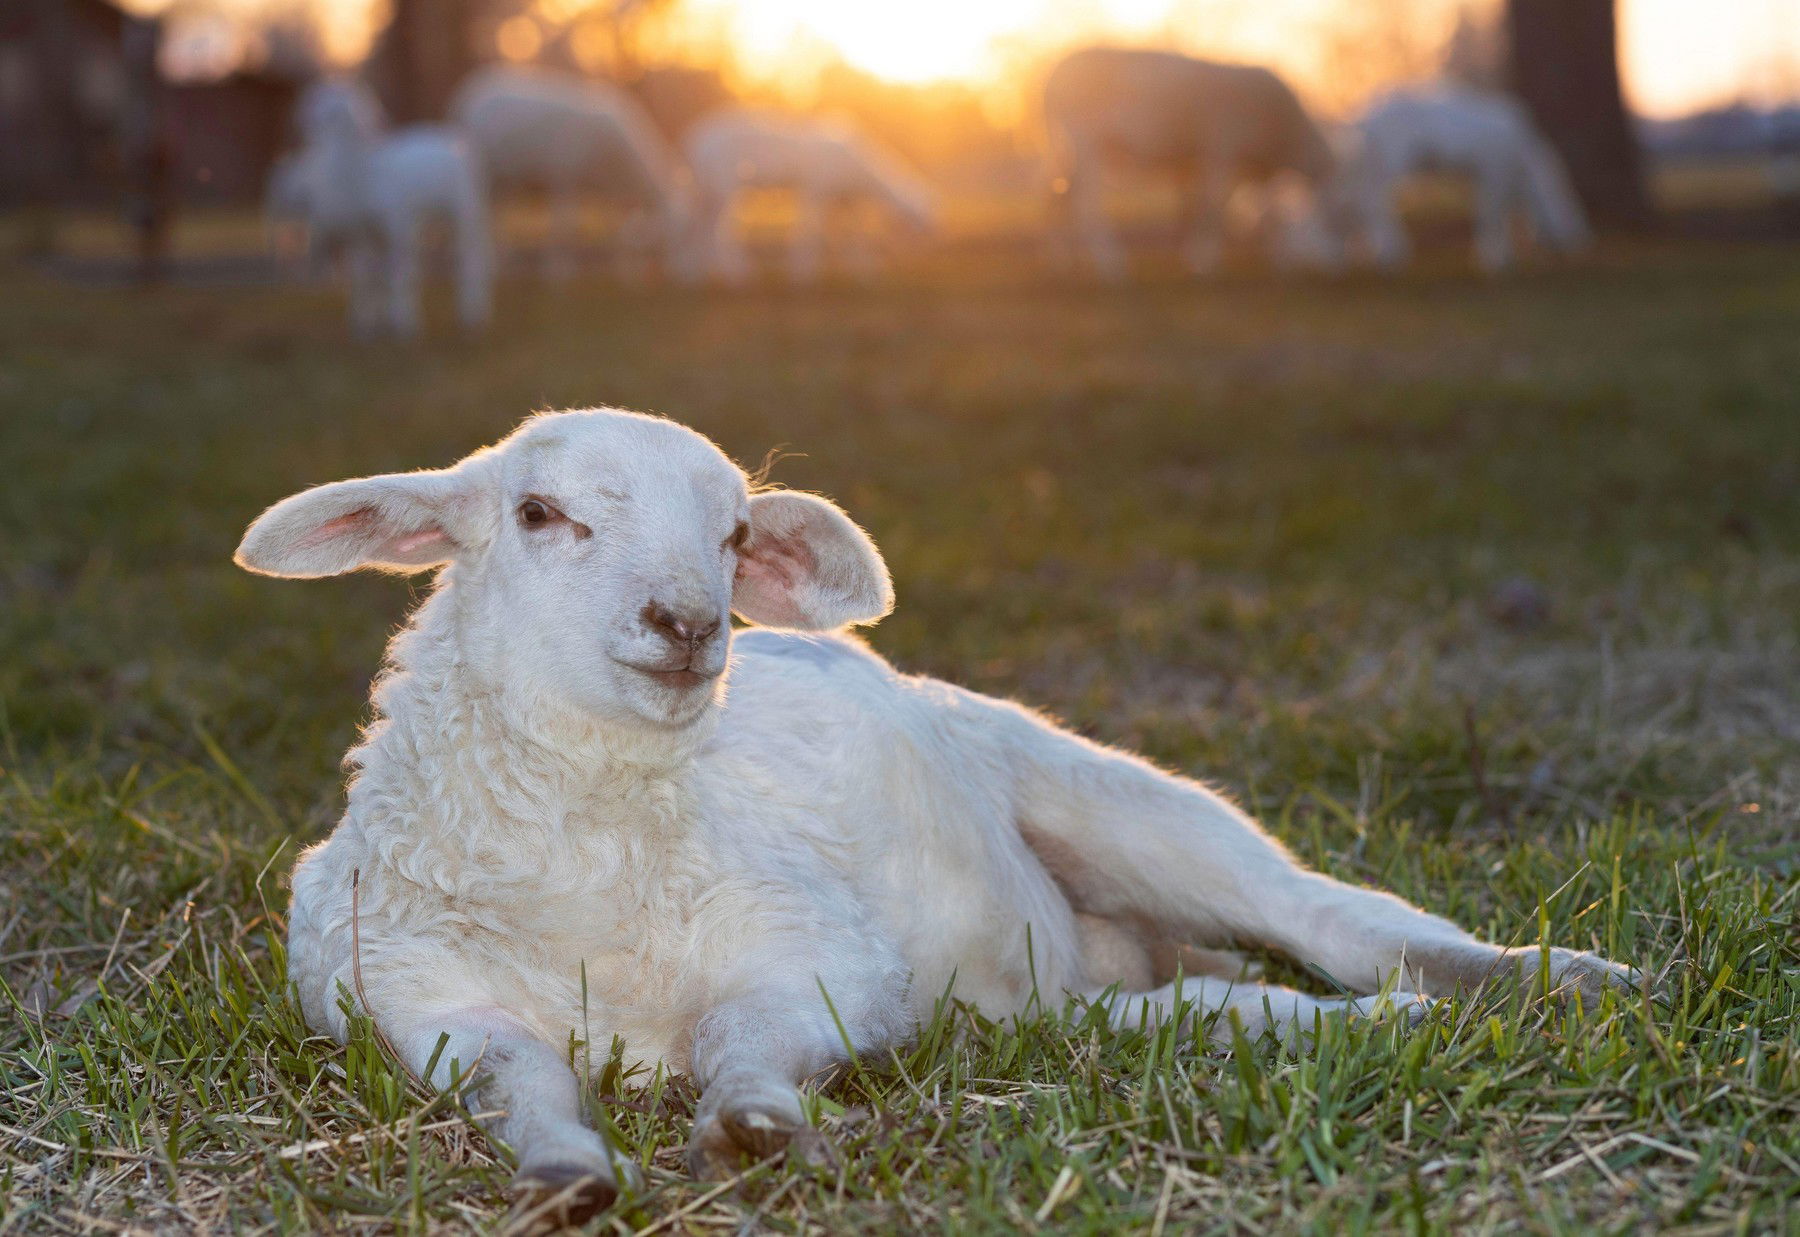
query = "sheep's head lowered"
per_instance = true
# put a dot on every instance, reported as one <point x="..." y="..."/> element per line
<point x="595" y="556"/>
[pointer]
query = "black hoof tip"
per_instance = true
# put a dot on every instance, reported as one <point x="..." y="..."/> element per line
<point x="570" y="1193"/>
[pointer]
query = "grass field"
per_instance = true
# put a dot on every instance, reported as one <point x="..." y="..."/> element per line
<point x="1486" y="593"/>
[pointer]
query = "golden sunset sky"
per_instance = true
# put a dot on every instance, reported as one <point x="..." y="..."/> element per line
<point x="1677" y="55"/>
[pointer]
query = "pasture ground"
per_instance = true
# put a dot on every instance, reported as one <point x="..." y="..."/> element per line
<point x="1482" y="592"/>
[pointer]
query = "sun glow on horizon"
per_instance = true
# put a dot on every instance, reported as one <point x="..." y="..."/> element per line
<point x="1676" y="55"/>
<point x="967" y="42"/>
<point x="916" y="44"/>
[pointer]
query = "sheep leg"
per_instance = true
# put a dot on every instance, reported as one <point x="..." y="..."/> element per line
<point x="403" y="242"/>
<point x="749" y="1058"/>
<point x="1086" y="195"/>
<point x="673" y="239"/>
<point x="363" y="267"/>
<point x="1496" y="190"/>
<point x="1389" y="246"/>
<point x="1129" y="841"/>
<point x="563" y="232"/>
<point x="1256" y="1007"/>
<point x="1206" y="216"/>
<point x="632" y="245"/>
<point x="726" y="259"/>
<point x="862" y="256"/>
<point x="533" y="1095"/>
<point x="806" y="248"/>
<point x="474" y="263"/>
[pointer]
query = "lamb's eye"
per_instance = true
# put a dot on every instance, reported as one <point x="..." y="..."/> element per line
<point x="534" y="513"/>
<point x="739" y="536"/>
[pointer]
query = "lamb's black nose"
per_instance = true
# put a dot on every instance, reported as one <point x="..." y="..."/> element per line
<point x="688" y="628"/>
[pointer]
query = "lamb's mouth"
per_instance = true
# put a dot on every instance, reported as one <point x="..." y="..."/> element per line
<point x="682" y="678"/>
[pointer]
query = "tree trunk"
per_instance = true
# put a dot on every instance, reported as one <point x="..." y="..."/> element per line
<point x="423" y="54"/>
<point x="1565" y="67"/>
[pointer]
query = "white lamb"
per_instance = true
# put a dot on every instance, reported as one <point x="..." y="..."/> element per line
<point x="558" y="778"/>
<point x="549" y="131"/>
<point x="369" y="196"/>
<point x="827" y="164"/>
<point x="1486" y="137"/>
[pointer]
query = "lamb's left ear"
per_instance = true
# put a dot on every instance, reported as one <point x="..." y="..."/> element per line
<point x="399" y="522"/>
<point x="807" y="565"/>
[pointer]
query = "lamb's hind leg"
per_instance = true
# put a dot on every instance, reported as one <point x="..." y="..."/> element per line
<point x="1256" y="1007"/>
<point x="1133" y="843"/>
<point x="533" y="1098"/>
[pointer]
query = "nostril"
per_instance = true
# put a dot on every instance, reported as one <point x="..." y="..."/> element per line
<point x="689" y="629"/>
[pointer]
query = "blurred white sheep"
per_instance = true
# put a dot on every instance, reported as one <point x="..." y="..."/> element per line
<point x="368" y="196"/>
<point x="1484" y="136"/>
<point x="826" y="163"/>
<point x="1218" y="126"/>
<point x="542" y="130"/>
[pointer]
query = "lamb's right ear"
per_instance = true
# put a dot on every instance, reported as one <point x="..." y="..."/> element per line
<point x="400" y="522"/>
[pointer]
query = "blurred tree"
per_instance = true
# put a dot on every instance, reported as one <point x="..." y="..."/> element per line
<point x="425" y="50"/>
<point x="1565" y="66"/>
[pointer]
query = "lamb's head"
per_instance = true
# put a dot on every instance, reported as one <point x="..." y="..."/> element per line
<point x="338" y="109"/>
<point x="595" y="559"/>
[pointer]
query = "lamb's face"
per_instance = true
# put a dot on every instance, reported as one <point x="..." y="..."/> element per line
<point x="608" y="578"/>
<point x="599" y="556"/>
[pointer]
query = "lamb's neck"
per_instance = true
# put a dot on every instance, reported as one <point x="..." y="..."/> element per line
<point x="498" y="755"/>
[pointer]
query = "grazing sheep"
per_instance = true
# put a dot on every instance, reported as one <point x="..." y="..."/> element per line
<point x="1215" y="125"/>
<point x="826" y="163"/>
<point x="1484" y="136"/>
<point x="285" y="198"/>
<point x="561" y="824"/>
<point x="561" y="134"/>
<point x="369" y="195"/>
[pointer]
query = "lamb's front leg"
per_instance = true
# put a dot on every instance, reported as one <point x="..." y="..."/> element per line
<point x="750" y="1055"/>
<point x="534" y="1095"/>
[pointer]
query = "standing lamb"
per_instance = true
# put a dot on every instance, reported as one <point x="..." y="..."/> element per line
<point x="543" y="130"/>
<point x="369" y="195"/>
<point x="1215" y="125"/>
<point x="561" y="824"/>
<point x="827" y="164"/>
<point x="1487" y="137"/>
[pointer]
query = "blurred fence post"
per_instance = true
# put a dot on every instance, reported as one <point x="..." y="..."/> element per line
<point x="1565" y="67"/>
<point x="63" y="154"/>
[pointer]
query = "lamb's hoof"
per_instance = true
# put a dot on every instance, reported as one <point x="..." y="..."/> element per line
<point x="759" y="1134"/>
<point x="1408" y="1009"/>
<point x="565" y="1193"/>
<point x="1591" y="975"/>
<point x="723" y="1141"/>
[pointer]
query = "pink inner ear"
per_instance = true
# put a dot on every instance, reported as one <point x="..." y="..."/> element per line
<point x="776" y="569"/>
<point x="777" y="562"/>
<point x="419" y="540"/>
<point x="338" y="527"/>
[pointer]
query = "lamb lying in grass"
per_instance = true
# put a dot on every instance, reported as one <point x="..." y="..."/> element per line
<point x="756" y="882"/>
